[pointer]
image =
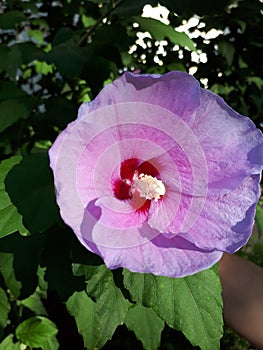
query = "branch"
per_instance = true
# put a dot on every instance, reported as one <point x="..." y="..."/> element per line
<point x="99" y="21"/>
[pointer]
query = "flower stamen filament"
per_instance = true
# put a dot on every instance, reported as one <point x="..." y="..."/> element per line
<point x="148" y="186"/>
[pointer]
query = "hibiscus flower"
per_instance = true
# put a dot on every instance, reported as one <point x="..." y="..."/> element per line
<point x="158" y="175"/>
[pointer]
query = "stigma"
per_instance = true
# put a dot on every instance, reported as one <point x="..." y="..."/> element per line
<point x="148" y="186"/>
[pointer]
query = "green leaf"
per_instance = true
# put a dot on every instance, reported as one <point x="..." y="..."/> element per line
<point x="227" y="50"/>
<point x="10" y="19"/>
<point x="141" y="286"/>
<point x="112" y="307"/>
<point x="259" y="220"/>
<point x="30" y="187"/>
<point x="4" y="63"/>
<point x="146" y="325"/>
<point x="60" y="111"/>
<point x="58" y="262"/>
<point x="43" y="68"/>
<point x="34" y="303"/>
<point x="242" y="24"/>
<point x="222" y="89"/>
<point x="15" y="61"/>
<point x="83" y="309"/>
<point x="20" y="260"/>
<point x="87" y="21"/>
<point x="32" y="7"/>
<point x="37" y="35"/>
<point x="257" y="81"/>
<point x="4" y="308"/>
<point x="62" y="36"/>
<point x="192" y="304"/>
<point x="8" y="343"/>
<point x="176" y="66"/>
<point x="11" y="111"/>
<point x="10" y="60"/>
<point x="10" y="219"/>
<point x="130" y="8"/>
<point x="97" y="69"/>
<point x="160" y="31"/>
<point x="8" y="273"/>
<point x="42" y="283"/>
<point x="10" y="3"/>
<point x="30" y="52"/>
<point x="9" y="90"/>
<point x="112" y="35"/>
<point x="38" y="332"/>
<point x="68" y="58"/>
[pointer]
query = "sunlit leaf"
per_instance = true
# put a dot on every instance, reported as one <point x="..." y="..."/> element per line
<point x="42" y="283"/>
<point x="83" y="309"/>
<point x="146" y="325"/>
<point x="34" y="303"/>
<point x="37" y="35"/>
<point x="43" y="68"/>
<point x="38" y="332"/>
<point x="112" y="307"/>
<point x="87" y="21"/>
<point x="192" y="304"/>
<point x="8" y="273"/>
<point x="9" y="344"/>
<point x="4" y="308"/>
<point x="10" y="219"/>
<point x="160" y="31"/>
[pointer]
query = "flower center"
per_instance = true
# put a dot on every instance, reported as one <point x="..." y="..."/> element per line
<point x="148" y="186"/>
<point x="139" y="184"/>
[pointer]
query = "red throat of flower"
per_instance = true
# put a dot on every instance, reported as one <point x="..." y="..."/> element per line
<point x="138" y="183"/>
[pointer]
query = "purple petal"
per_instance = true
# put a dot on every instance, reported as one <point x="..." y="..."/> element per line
<point x="226" y="220"/>
<point x="177" y="92"/>
<point x="232" y="145"/>
<point x="174" y="257"/>
<point x="99" y="227"/>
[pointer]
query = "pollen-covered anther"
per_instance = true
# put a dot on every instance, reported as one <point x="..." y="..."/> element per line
<point x="149" y="187"/>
